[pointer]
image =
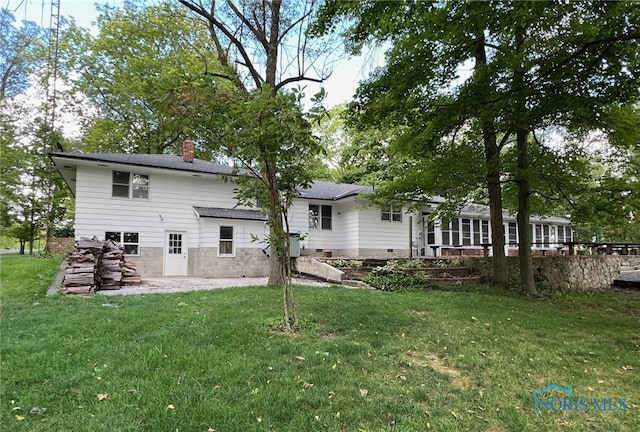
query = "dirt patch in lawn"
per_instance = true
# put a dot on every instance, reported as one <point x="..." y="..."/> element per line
<point x="437" y="364"/>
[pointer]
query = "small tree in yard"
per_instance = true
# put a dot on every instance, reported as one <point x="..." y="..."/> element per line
<point x="246" y="112"/>
<point x="271" y="141"/>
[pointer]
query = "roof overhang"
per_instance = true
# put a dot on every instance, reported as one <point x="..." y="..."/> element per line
<point x="226" y="213"/>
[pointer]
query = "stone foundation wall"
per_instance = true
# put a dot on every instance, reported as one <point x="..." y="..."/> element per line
<point x="580" y="273"/>
<point x="449" y="251"/>
<point x="149" y="263"/>
<point x="205" y="262"/>
<point x="358" y="253"/>
<point x="61" y="245"/>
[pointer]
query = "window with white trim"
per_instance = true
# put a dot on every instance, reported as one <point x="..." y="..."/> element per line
<point x="391" y="214"/>
<point x="451" y="232"/>
<point x="485" y="231"/>
<point x="320" y="216"/>
<point x="513" y="234"/>
<point x="129" y="185"/>
<point x="128" y="240"/>
<point x="466" y="232"/>
<point x="226" y="241"/>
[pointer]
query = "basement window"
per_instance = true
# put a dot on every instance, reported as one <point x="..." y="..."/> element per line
<point x="128" y="240"/>
<point x="226" y="241"/>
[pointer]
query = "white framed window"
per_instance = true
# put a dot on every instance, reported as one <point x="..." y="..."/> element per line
<point x="451" y="232"/>
<point x="561" y="233"/>
<point x="431" y="232"/>
<point x="513" y="234"/>
<point x="226" y="242"/>
<point x="466" y="232"/>
<point x="320" y="216"/>
<point x="128" y="240"/>
<point x="391" y="214"/>
<point x="545" y="235"/>
<point x="484" y="225"/>
<point x="125" y="184"/>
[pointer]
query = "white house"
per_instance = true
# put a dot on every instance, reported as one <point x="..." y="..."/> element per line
<point x="176" y="216"/>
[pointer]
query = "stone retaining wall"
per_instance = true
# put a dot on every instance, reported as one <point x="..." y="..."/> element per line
<point x="61" y="245"/>
<point x="580" y="273"/>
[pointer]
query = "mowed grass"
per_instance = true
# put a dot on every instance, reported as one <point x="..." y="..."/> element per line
<point x="362" y="360"/>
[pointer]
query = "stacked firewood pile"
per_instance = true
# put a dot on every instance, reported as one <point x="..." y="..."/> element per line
<point x="98" y="265"/>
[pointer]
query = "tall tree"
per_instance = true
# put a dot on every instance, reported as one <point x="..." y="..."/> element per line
<point x="264" y="48"/>
<point x="420" y="91"/>
<point x="139" y="55"/>
<point x="28" y="205"/>
<point x="19" y="48"/>
<point x="562" y="64"/>
<point x="535" y="65"/>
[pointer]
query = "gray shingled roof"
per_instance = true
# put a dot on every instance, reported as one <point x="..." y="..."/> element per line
<point x="323" y="190"/>
<point x="154" y="160"/>
<point x="225" y="213"/>
<point x="320" y="190"/>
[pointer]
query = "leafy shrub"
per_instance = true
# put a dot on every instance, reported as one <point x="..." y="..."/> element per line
<point x="413" y="263"/>
<point x="385" y="280"/>
<point x="346" y="263"/>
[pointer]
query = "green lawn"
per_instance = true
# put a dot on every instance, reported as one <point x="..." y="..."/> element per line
<point x="362" y="361"/>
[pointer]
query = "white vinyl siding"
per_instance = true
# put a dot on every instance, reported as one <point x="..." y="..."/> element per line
<point x="171" y="209"/>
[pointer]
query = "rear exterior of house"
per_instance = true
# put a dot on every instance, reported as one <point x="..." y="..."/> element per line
<point x="178" y="216"/>
<point x="173" y="217"/>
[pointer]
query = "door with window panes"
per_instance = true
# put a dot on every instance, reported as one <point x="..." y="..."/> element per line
<point x="176" y="254"/>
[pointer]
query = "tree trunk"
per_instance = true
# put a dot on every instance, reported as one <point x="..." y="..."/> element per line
<point x="522" y="176"/>
<point x="276" y="262"/>
<point x="492" y="158"/>
<point x="524" y="191"/>
<point x="492" y="153"/>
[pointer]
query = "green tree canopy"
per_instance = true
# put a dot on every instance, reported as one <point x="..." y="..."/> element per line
<point x="497" y="71"/>
<point x="140" y="54"/>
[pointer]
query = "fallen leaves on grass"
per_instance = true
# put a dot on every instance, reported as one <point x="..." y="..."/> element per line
<point x="103" y="396"/>
<point x="364" y="392"/>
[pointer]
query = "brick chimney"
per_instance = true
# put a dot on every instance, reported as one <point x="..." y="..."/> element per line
<point x="187" y="150"/>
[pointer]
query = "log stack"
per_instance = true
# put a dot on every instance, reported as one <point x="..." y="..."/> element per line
<point x="98" y="265"/>
<point x="80" y="276"/>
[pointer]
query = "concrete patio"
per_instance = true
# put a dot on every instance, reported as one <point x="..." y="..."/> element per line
<point x="165" y="285"/>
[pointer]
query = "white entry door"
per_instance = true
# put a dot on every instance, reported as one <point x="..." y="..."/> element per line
<point x="175" y="254"/>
